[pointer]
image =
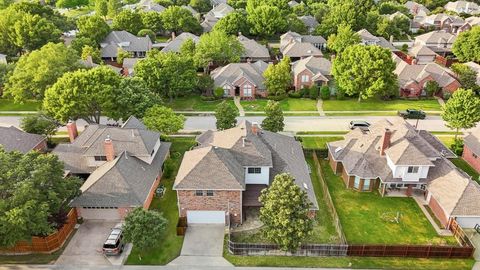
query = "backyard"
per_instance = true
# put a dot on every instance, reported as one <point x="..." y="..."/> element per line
<point x="380" y="105"/>
<point x="464" y="166"/>
<point x="170" y="245"/>
<point x="288" y="104"/>
<point x="318" y="142"/>
<point x="195" y="103"/>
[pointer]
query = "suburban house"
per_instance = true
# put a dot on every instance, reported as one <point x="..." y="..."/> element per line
<point x="471" y="149"/>
<point x="442" y="21"/>
<point x="122" y="166"/>
<point x="310" y="22"/>
<point x="192" y="10"/>
<point x="254" y="51"/>
<point x="398" y="160"/>
<point x="476" y="68"/>
<point x="14" y="139"/>
<point x="300" y="50"/>
<point x="128" y="66"/>
<point x="311" y="71"/>
<point x="463" y="7"/>
<point x="440" y="41"/>
<point x="413" y="78"/>
<point x="317" y="41"/>
<point x="473" y="21"/>
<point x="175" y="44"/>
<point x="226" y="172"/>
<point x="416" y="8"/>
<point x="146" y="6"/>
<point x="211" y="18"/>
<point x="116" y="40"/>
<point x="241" y="79"/>
<point x="421" y="54"/>
<point x="366" y="38"/>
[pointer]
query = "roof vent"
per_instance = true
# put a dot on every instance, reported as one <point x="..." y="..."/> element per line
<point x="305" y="185"/>
<point x="338" y="149"/>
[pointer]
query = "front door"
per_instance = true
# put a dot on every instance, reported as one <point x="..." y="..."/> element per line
<point x="237" y="90"/>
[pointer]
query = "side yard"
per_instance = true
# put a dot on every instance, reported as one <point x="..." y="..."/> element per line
<point x="380" y="105"/>
<point x="170" y="245"/>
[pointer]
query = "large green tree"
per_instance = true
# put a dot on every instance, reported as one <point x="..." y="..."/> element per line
<point x="226" y="116"/>
<point x="40" y="69"/>
<point x="167" y="74"/>
<point x="163" y="120"/>
<point x="285" y="213"/>
<point x="274" y="117"/>
<point x="201" y="6"/>
<point x="152" y="21"/>
<point x="140" y="221"/>
<point x="101" y="8"/>
<point x="266" y="21"/>
<point x="278" y="77"/>
<point x="34" y="195"/>
<point x="467" y="45"/>
<point x="462" y="110"/>
<point x="39" y="124"/>
<point x="217" y="48"/>
<point x="129" y="21"/>
<point x="85" y="94"/>
<point x="397" y="27"/>
<point x="113" y="8"/>
<point x="466" y="76"/>
<point x="92" y="27"/>
<point x="345" y="37"/>
<point x="232" y="24"/>
<point x="366" y="71"/>
<point x="177" y="19"/>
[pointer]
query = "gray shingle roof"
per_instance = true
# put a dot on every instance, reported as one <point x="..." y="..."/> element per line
<point x="320" y="67"/>
<point x="14" y="139"/>
<point x="125" y="40"/>
<point x="231" y="73"/>
<point x="407" y="73"/>
<point x="309" y="21"/>
<point x="124" y="182"/>
<point x="301" y="49"/>
<point x="176" y="44"/>
<point x="253" y="49"/>
<point x="472" y="141"/>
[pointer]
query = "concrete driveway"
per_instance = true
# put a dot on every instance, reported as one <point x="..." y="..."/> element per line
<point x="85" y="247"/>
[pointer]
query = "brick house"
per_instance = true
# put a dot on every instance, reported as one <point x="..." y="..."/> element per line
<point x="116" y="40"/>
<point x="241" y="79"/>
<point x="440" y="41"/>
<point x="413" y="78"/>
<point x="311" y="71"/>
<point x="398" y="160"/>
<point x="122" y="166"/>
<point x="471" y="149"/>
<point x="14" y="139"/>
<point x="226" y="172"/>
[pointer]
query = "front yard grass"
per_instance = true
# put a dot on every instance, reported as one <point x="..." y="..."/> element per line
<point x="323" y="229"/>
<point x="368" y="218"/>
<point x="10" y="105"/>
<point x="380" y="105"/>
<point x="288" y="104"/>
<point x="170" y="245"/>
<point x="195" y="103"/>
<point x="318" y="142"/>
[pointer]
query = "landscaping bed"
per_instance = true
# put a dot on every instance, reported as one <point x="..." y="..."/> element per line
<point x="380" y="105"/>
<point x="195" y="103"/>
<point x="288" y="104"/>
<point x="170" y="245"/>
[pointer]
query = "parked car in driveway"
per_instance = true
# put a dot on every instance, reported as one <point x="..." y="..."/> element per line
<point x="114" y="244"/>
<point x="412" y="114"/>
<point x="358" y="124"/>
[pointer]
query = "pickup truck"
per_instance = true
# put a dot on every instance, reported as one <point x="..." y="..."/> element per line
<point x="412" y="114"/>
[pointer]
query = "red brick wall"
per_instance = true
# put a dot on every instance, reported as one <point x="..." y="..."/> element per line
<point x="241" y="83"/>
<point x="42" y="146"/>
<point x="297" y="80"/>
<point x="149" y="199"/>
<point x="468" y="156"/>
<point x="438" y="211"/>
<point x="452" y="87"/>
<point x="220" y="200"/>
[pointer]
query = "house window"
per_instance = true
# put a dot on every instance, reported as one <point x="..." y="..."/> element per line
<point x="100" y="158"/>
<point x="226" y="91"/>
<point x="209" y="193"/>
<point x="198" y="192"/>
<point x="474" y="155"/>
<point x="366" y="184"/>
<point x="356" y="182"/>
<point x="153" y="152"/>
<point x="305" y="78"/>
<point x="247" y="90"/>
<point x="254" y="170"/>
<point x="412" y="169"/>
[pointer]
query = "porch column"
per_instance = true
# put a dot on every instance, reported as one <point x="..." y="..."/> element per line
<point x="409" y="190"/>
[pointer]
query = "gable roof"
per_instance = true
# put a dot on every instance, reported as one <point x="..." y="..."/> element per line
<point x="435" y="37"/>
<point x="367" y="39"/>
<point x="290" y="37"/>
<point x="320" y="67"/>
<point x="419" y="50"/>
<point x="414" y="7"/>
<point x="253" y="49"/>
<point x="309" y="21"/>
<point x="463" y="6"/>
<point x="175" y="44"/>
<point x="126" y="41"/>
<point x="232" y="72"/>
<point x="301" y="49"/>
<point x="14" y="139"/>
<point x="407" y="73"/>
<point x="472" y="141"/>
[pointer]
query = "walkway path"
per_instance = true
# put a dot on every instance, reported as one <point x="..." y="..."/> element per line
<point x="236" y="100"/>
<point x="320" y="107"/>
<point x="440" y="101"/>
<point x="421" y="203"/>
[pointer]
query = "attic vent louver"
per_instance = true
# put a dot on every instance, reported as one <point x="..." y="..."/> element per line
<point x="305" y="185"/>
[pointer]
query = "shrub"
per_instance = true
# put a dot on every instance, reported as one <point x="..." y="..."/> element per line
<point x="313" y="92"/>
<point x="208" y="98"/>
<point x="446" y="95"/>
<point x="304" y="92"/>
<point x="218" y="92"/>
<point x="277" y="98"/>
<point x="325" y="92"/>
<point x="146" y="32"/>
<point x="168" y="168"/>
<point x="295" y="94"/>
<point x="457" y="147"/>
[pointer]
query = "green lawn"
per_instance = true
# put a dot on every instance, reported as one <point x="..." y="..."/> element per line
<point x="323" y="229"/>
<point x="380" y="105"/>
<point x="195" y="103"/>
<point x="73" y="13"/>
<point x="464" y="166"/>
<point x="318" y="142"/>
<point x="447" y="140"/>
<point x="170" y="245"/>
<point x="29" y="105"/>
<point x="288" y="104"/>
<point x="367" y="218"/>
<point x="340" y="132"/>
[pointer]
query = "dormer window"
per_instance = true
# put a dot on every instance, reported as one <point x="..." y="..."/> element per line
<point x="100" y="158"/>
<point x="412" y="169"/>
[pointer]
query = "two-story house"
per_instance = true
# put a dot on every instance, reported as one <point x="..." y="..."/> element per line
<point x="226" y="172"/>
<point x="311" y="71"/>
<point x="471" y="149"/>
<point x="440" y="41"/>
<point x="459" y="7"/>
<point x="122" y="167"/>
<point x="367" y="38"/>
<point x="216" y="13"/>
<point x="398" y="160"/>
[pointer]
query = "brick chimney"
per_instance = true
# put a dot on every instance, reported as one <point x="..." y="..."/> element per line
<point x="72" y="130"/>
<point x="255" y="128"/>
<point x="387" y="135"/>
<point x="108" y="148"/>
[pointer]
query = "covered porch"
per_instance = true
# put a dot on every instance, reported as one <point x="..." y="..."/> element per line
<point x="402" y="189"/>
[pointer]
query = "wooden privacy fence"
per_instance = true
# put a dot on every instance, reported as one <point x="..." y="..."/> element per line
<point x="459" y="234"/>
<point x="182" y="226"/>
<point x="410" y="251"/>
<point x="319" y="250"/>
<point x="47" y="244"/>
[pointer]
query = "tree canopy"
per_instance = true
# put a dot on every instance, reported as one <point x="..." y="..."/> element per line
<point x="39" y="124"/>
<point x="129" y="21"/>
<point x="218" y="48"/>
<point x="345" y="37"/>
<point x="232" y="24"/>
<point x="92" y="27"/>
<point x="201" y="6"/>
<point x="152" y="21"/>
<point x="278" y="78"/>
<point x="466" y="76"/>
<point x="467" y="45"/>
<point x="177" y="19"/>
<point x="274" y="117"/>
<point x="35" y="195"/>
<point x="40" y="69"/>
<point x="366" y="71"/>
<point x="163" y="120"/>
<point x="226" y="116"/>
<point x="265" y="21"/>
<point x="285" y="213"/>
<point x="462" y="110"/>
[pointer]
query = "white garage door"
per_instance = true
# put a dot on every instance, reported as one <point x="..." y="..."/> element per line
<point x="206" y="217"/>
<point x="468" y="222"/>
<point x="93" y="213"/>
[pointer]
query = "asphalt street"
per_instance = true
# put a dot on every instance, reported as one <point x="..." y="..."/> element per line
<point x="292" y="123"/>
